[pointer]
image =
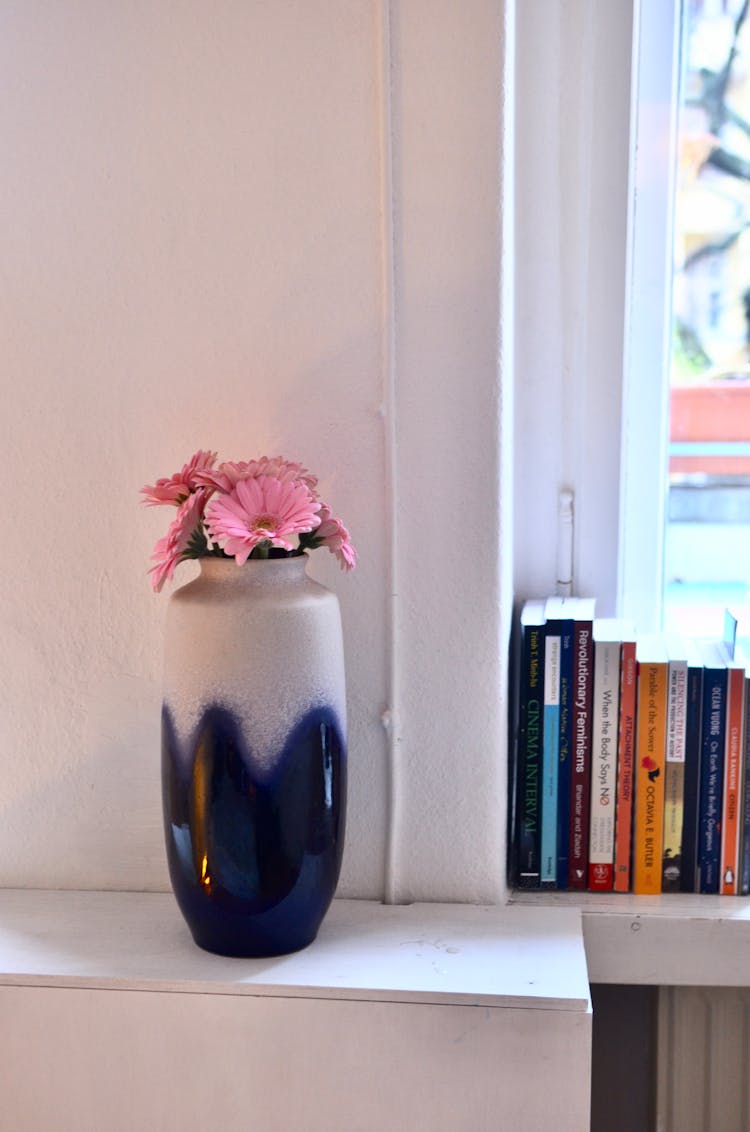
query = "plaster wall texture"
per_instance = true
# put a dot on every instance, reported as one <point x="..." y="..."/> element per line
<point x="259" y="228"/>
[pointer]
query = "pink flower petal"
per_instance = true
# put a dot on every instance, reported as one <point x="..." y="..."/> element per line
<point x="260" y="509"/>
<point x="175" y="488"/>
<point x="333" y="534"/>
<point x="231" y="472"/>
<point x="170" y="549"/>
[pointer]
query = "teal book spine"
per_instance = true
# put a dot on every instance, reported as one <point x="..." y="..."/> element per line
<point x="565" y="752"/>
<point x="550" y="760"/>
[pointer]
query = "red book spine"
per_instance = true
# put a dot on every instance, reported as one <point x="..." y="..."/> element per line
<point x="730" y="819"/>
<point x="580" y="784"/>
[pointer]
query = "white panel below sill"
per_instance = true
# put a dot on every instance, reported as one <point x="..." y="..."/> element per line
<point x="668" y="940"/>
<point x="427" y="953"/>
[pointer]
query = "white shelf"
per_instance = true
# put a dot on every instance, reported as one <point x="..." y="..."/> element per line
<point x="540" y="951"/>
<point x="669" y="940"/>
<point x="421" y="1016"/>
<point x="517" y="956"/>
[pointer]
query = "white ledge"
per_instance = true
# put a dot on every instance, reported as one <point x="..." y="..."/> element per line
<point x="668" y="940"/>
<point x="511" y="957"/>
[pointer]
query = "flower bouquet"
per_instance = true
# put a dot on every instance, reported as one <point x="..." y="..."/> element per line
<point x="266" y="508"/>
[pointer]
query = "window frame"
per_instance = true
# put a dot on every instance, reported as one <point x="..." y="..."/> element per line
<point x="596" y="92"/>
<point x="572" y="149"/>
<point x="657" y="30"/>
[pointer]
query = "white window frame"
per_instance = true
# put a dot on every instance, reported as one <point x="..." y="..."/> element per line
<point x="645" y="414"/>
<point x="595" y="139"/>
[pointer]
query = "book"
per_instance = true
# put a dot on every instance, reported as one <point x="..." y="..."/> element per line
<point x="736" y="630"/>
<point x="744" y="879"/>
<point x="607" y="634"/>
<point x="562" y="623"/>
<point x="713" y="732"/>
<point x="550" y="753"/>
<point x="625" y="767"/>
<point x="528" y="746"/>
<point x="734" y="758"/>
<point x="650" y="758"/>
<point x="582" y="610"/>
<point x="691" y="791"/>
<point x="674" y="767"/>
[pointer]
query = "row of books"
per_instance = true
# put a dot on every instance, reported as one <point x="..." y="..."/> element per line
<point x="630" y="757"/>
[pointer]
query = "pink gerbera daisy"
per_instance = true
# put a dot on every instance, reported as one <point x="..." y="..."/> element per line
<point x="170" y="550"/>
<point x="176" y="488"/>
<point x="261" y="509"/>
<point x="230" y="472"/>
<point x="332" y="533"/>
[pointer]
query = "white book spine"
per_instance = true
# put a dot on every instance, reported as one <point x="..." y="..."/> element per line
<point x="605" y="726"/>
<point x="674" y="775"/>
<point x="676" y="708"/>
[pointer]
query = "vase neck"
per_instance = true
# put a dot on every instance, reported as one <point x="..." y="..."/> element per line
<point x="255" y="572"/>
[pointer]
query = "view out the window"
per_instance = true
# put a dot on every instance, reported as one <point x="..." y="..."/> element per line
<point x="708" y="532"/>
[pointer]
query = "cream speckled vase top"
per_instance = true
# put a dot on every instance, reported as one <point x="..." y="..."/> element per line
<point x="262" y="640"/>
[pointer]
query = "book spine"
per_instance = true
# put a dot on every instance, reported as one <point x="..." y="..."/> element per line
<point x="650" y="750"/>
<point x="551" y="745"/>
<point x="564" y="760"/>
<point x="674" y="775"/>
<point x="711" y="787"/>
<point x="626" y="745"/>
<point x="513" y="756"/>
<point x="604" y="764"/>
<point x="580" y="783"/>
<point x="691" y="797"/>
<point x="733" y="760"/>
<point x="745" y="822"/>
<point x="529" y="762"/>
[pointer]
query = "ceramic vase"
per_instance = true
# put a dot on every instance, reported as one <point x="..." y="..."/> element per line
<point x="254" y="754"/>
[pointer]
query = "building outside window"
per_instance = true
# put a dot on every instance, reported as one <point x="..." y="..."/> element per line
<point x="707" y="545"/>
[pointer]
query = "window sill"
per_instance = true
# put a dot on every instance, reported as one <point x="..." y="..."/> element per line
<point x="445" y="954"/>
<point x="669" y="940"/>
<point x="540" y="951"/>
<point x="129" y="1025"/>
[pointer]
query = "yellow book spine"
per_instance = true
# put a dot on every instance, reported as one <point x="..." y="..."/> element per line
<point x="651" y="741"/>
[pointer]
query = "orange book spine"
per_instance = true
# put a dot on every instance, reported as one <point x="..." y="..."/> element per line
<point x="625" y="751"/>
<point x="730" y="815"/>
<point x="650" y="758"/>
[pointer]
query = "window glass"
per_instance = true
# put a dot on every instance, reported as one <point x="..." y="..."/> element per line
<point x="707" y="546"/>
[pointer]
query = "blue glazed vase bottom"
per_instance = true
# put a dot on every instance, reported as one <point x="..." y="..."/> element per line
<point x="244" y="942"/>
<point x="254" y="855"/>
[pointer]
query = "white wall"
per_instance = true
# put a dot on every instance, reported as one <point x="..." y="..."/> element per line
<point x="224" y="226"/>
